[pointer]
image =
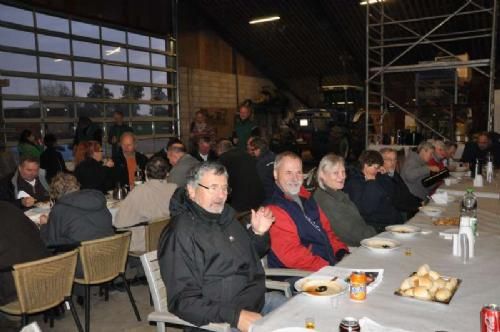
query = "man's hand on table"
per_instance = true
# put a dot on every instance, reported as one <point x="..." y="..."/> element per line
<point x="261" y="221"/>
<point x="247" y="318"/>
<point x="28" y="201"/>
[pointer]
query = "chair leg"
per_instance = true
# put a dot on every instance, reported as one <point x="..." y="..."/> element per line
<point x="132" y="301"/>
<point x="150" y="298"/>
<point x="24" y="320"/>
<point x="87" y="308"/>
<point x="52" y="313"/>
<point x="75" y="315"/>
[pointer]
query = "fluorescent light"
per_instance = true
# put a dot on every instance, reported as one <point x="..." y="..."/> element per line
<point x="264" y="19"/>
<point x="113" y="51"/>
<point x="303" y="122"/>
<point x="365" y="2"/>
<point x="58" y="60"/>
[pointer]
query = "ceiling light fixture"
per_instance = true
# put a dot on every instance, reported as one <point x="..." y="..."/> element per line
<point x="264" y="19"/>
<point x="365" y="2"/>
<point x="58" y="60"/>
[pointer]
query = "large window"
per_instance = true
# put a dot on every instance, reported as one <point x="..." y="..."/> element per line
<point x="60" y="69"/>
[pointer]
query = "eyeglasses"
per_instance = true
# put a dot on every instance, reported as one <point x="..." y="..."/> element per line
<point x="213" y="189"/>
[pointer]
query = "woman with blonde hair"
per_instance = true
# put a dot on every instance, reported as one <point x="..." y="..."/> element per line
<point x="90" y="170"/>
<point x="344" y="217"/>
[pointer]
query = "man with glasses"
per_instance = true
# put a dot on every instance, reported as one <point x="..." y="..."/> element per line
<point x="209" y="262"/>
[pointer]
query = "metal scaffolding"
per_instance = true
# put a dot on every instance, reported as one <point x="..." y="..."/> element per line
<point x="377" y="64"/>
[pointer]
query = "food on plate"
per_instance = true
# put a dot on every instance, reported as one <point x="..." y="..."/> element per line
<point x="447" y="221"/>
<point x="421" y="293"/>
<point x="423" y="270"/>
<point x="43" y="205"/>
<point x="434" y="275"/>
<point x="322" y="287"/>
<point x="443" y="295"/>
<point x="428" y="285"/>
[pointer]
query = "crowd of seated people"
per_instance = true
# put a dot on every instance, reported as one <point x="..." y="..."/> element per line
<point x="204" y="191"/>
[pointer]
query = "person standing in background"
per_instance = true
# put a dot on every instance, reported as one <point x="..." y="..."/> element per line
<point x="244" y="127"/>
<point x="28" y="145"/>
<point x="52" y="160"/>
<point x="115" y="132"/>
<point x="200" y="128"/>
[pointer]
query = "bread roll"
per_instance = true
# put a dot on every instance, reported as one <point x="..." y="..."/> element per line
<point x="421" y="293"/>
<point x="406" y="284"/>
<point x="423" y="270"/>
<point x="409" y="292"/>
<point x="443" y="294"/>
<point x="434" y="288"/>
<point x="425" y="282"/>
<point x="440" y="283"/>
<point x="451" y="284"/>
<point x="434" y="275"/>
<point x="414" y="281"/>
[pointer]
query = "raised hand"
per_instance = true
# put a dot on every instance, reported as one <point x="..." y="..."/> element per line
<point x="261" y="221"/>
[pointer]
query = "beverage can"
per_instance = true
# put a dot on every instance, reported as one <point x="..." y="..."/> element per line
<point x="490" y="318"/>
<point x="358" y="286"/>
<point x="349" y="324"/>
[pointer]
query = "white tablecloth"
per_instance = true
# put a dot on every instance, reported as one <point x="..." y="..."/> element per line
<point x="480" y="284"/>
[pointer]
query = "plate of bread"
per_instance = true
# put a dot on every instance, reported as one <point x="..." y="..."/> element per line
<point x="447" y="221"/>
<point x="428" y="285"/>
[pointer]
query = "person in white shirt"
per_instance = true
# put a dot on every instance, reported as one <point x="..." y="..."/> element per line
<point x="146" y="202"/>
<point x="204" y="151"/>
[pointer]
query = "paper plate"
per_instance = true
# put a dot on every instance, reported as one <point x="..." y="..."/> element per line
<point x="431" y="211"/>
<point x="380" y="245"/>
<point x="403" y="231"/>
<point x="313" y="282"/>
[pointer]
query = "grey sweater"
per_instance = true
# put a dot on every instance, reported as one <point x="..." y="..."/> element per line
<point x="178" y="173"/>
<point x="413" y="172"/>
<point x="344" y="217"/>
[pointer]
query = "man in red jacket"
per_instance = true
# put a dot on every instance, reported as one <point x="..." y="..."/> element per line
<point x="301" y="237"/>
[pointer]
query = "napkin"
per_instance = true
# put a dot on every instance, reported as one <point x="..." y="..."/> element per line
<point x="440" y="198"/>
<point x="22" y="194"/>
<point x="368" y="325"/>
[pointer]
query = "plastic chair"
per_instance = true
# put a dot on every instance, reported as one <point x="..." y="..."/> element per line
<point x="158" y="291"/>
<point x="104" y="260"/>
<point x="152" y="232"/>
<point x="43" y="284"/>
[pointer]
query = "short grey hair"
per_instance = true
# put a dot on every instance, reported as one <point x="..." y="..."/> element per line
<point x="326" y="164"/>
<point x="283" y="155"/>
<point x="425" y="146"/>
<point x="439" y="144"/>
<point x="198" y="171"/>
<point x="387" y="150"/>
<point x="62" y="184"/>
<point x="224" y="146"/>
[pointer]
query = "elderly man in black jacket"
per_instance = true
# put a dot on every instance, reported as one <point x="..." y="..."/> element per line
<point x="209" y="262"/>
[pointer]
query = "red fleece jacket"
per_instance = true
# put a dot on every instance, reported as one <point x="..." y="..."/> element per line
<point x="285" y="241"/>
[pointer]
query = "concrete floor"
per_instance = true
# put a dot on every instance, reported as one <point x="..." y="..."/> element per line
<point x="115" y="315"/>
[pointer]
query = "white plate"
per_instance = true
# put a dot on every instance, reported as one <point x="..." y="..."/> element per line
<point x="403" y="230"/>
<point x="458" y="175"/>
<point x="431" y="211"/>
<point x="320" y="281"/>
<point x="450" y="199"/>
<point x="377" y="244"/>
<point x="294" y="329"/>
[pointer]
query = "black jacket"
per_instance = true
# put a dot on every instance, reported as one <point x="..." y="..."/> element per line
<point x="247" y="191"/>
<point x="212" y="156"/>
<point x="94" y="175"/>
<point x="121" y="169"/>
<point x="52" y="162"/>
<point x="13" y="183"/>
<point x="78" y="216"/>
<point x="19" y="242"/>
<point x="265" y="169"/>
<point x="373" y="202"/>
<point x="401" y="197"/>
<point x="210" y="264"/>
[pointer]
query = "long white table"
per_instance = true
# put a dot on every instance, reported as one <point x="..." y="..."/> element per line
<point x="489" y="190"/>
<point x="480" y="282"/>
